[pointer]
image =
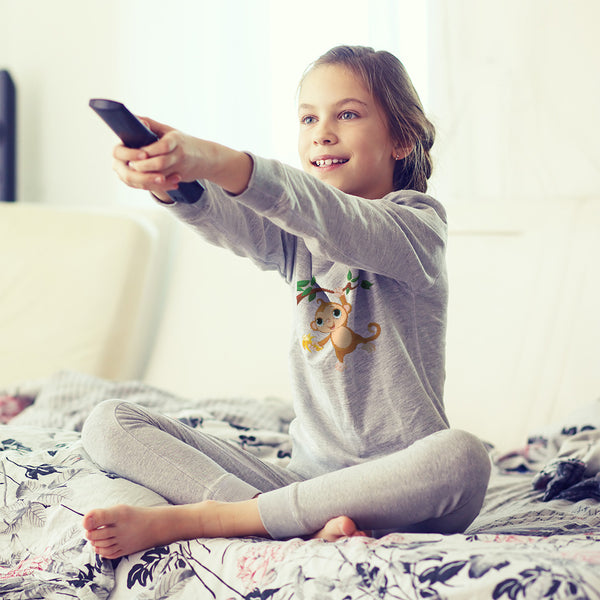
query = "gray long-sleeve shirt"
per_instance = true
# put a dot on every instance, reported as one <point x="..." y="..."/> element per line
<point x="370" y="294"/>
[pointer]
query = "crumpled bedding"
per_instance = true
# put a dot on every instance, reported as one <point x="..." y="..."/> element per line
<point x="569" y="456"/>
<point x="519" y="547"/>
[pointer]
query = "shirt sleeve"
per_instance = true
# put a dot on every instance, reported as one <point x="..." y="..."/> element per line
<point x="402" y="235"/>
<point x="224" y="222"/>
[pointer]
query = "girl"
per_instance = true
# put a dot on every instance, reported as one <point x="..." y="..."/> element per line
<point x="363" y="248"/>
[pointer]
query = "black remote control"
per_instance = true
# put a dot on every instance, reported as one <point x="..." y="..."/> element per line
<point x="134" y="134"/>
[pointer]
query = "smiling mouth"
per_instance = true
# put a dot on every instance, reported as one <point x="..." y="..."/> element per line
<point x="327" y="162"/>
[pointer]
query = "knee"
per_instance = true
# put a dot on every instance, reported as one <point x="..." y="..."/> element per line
<point x="100" y="432"/>
<point x="468" y="469"/>
<point x="101" y="417"/>
<point x="471" y="463"/>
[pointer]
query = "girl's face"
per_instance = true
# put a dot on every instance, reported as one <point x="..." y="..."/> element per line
<point x="344" y="138"/>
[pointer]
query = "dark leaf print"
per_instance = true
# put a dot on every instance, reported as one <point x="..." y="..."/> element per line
<point x="140" y="573"/>
<point x="480" y="565"/>
<point x="442" y="573"/>
<point x="367" y="575"/>
<point x="84" y="578"/>
<point x="33" y="472"/>
<point x="553" y="588"/>
<point x="13" y="445"/>
<point x="193" y="422"/>
<point x="257" y="594"/>
<point x="509" y="587"/>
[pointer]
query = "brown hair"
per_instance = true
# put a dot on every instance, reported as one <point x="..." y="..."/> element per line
<point x="387" y="80"/>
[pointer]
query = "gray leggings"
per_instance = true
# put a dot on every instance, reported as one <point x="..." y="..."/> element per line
<point x="435" y="485"/>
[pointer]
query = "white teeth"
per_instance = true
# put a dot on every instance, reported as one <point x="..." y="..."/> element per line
<point x="330" y="161"/>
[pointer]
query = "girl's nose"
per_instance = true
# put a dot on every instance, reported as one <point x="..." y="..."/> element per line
<point x="325" y="140"/>
<point x="324" y="135"/>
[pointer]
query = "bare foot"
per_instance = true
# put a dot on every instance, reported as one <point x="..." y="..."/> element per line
<point x="339" y="528"/>
<point x="121" y="530"/>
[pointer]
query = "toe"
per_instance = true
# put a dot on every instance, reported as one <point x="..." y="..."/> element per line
<point x="100" y="517"/>
<point x="94" y="519"/>
<point x="103" y="533"/>
<point x="113" y="551"/>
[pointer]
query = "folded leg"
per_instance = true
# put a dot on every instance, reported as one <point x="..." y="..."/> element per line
<point x="182" y="464"/>
<point x="435" y="485"/>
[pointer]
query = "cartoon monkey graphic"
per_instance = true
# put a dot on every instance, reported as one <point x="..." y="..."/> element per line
<point x="332" y="318"/>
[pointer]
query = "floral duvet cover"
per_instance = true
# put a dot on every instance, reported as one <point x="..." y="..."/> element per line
<point x="520" y="547"/>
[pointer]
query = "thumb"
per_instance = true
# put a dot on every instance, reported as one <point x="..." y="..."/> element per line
<point x="158" y="128"/>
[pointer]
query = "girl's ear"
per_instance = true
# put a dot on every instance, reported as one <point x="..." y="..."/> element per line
<point x="401" y="152"/>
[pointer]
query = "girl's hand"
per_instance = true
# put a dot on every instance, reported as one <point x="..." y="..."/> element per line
<point x="176" y="157"/>
<point x="160" y="166"/>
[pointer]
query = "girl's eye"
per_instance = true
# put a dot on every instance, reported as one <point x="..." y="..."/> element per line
<point x="307" y="120"/>
<point x="337" y="313"/>
<point x="347" y="115"/>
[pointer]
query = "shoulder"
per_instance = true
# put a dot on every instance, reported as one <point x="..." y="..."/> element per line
<point x="415" y="201"/>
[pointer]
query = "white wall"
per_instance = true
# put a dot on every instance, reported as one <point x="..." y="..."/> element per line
<point x="60" y="54"/>
<point x="515" y="93"/>
<point x="514" y="88"/>
<point x="223" y="70"/>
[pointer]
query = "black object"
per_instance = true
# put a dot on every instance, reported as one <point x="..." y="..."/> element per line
<point x="134" y="134"/>
<point x="8" y="131"/>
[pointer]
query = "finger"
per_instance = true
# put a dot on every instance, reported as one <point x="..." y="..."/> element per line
<point x="125" y="154"/>
<point x="159" y="129"/>
<point x="162" y="146"/>
<point x="167" y="182"/>
<point x="162" y="163"/>
<point x="131" y="177"/>
<point x="153" y="182"/>
<point x="165" y="145"/>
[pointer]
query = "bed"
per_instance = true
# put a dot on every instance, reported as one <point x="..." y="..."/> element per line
<point x="521" y="546"/>
<point x="538" y="533"/>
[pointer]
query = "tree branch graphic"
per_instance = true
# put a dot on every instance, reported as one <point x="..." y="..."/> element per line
<point x="309" y="288"/>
